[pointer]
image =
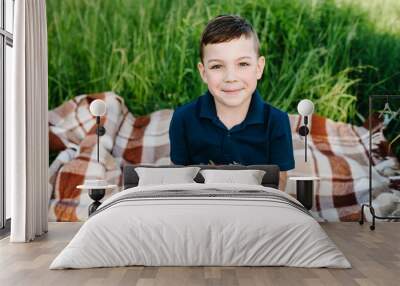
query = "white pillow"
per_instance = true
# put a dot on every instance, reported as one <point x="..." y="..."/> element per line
<point x="163" y="176"/>
<point x="249" y="177"/>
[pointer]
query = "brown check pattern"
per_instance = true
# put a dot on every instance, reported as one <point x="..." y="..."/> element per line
<point x="337" y="153"/>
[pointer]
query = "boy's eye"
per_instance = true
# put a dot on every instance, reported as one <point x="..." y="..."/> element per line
<point x="244" y="64"/>
<point x="213" y="67"/>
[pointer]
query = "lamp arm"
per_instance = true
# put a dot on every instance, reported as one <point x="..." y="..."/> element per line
<point x="303" y="131"/>
<point x="98" y="137"/>
<point x="305" y="141"/>
<point x="100" y="131"/>
<point x="305" y="148"/>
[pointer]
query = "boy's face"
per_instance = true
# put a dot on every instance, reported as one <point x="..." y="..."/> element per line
<point x="231" y="70"/>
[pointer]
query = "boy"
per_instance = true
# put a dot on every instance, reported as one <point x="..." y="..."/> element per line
<point x="231" y="123"/>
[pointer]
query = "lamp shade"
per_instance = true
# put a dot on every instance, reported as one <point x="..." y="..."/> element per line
<point x="305" y="107"/>
<point x="98" y="107"/>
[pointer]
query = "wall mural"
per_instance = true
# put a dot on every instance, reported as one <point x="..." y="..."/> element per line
<point x="141" y="57"/>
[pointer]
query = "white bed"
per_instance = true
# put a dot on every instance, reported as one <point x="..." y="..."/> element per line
<point x="185" y="230"/>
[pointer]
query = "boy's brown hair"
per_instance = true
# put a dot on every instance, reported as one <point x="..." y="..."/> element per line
<point x="225" y="28"/>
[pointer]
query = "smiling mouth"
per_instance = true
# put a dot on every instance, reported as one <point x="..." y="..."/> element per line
<point x="232" y="90"/>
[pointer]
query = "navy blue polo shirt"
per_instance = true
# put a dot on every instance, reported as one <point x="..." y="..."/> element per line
<point x="197" y="136"/>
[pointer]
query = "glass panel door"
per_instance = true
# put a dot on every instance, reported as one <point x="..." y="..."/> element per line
<point x="9" y="60"/>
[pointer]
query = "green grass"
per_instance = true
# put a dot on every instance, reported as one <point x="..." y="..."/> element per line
<point x="333" y="52"/>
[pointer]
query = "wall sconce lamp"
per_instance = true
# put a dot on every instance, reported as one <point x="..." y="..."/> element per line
<point x="98" y="108"/>
<point x="305" y="108"/>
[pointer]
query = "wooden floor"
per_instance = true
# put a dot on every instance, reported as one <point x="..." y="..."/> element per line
<point x="374" y="255"/>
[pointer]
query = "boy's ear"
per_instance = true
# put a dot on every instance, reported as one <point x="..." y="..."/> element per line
<point x="202" y="72"/>
<point x="260" y="66"/>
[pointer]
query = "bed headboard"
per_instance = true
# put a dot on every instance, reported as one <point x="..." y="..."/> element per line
<point x="270" y="179"/>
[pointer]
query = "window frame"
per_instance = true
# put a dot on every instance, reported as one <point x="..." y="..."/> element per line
<point x="6" y="39"/>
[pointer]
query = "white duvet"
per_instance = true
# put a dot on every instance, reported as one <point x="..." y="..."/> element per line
<point x="200" y="231"/>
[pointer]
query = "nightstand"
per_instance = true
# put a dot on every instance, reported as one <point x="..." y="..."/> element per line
<point x="96" y="193"/>
<point x="305" y="190"/>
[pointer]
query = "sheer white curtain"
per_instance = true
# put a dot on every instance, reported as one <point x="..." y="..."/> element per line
<point x="27" y="124"/>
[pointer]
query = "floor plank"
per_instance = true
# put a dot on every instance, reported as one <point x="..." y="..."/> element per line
<point x="374" y="255"/>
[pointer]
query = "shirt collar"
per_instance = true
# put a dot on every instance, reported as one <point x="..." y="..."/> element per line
<point x="207" y="106"/>
<point x="255" y="114"/>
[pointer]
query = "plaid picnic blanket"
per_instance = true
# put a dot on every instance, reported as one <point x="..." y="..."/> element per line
<point x="337" y="153"/>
